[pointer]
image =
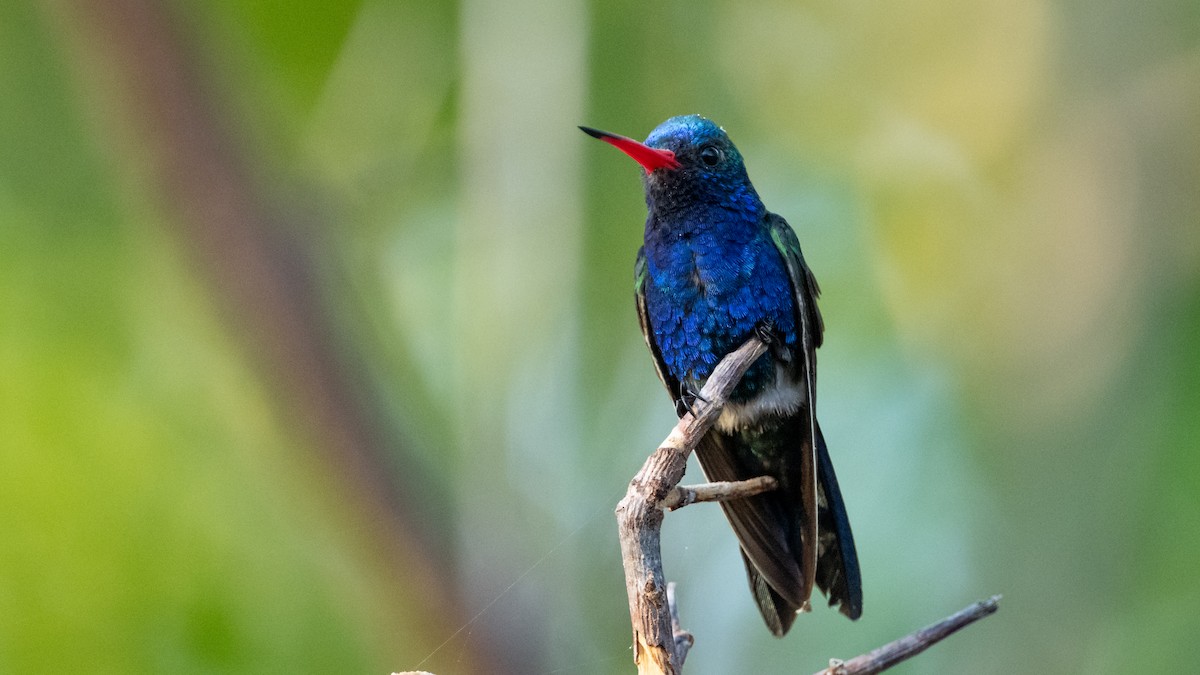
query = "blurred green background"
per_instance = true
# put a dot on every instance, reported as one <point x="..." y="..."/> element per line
<point x="318" y="353"/>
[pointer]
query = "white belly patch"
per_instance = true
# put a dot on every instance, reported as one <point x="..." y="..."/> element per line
<point x="783" y="399"/>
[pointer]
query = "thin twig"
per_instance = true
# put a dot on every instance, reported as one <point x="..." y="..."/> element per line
<point x="910" y="645"/>
<point x="720" y="491"/>
<point x="683" y="639"/>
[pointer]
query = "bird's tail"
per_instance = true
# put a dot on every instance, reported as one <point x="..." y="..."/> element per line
<point x="768" y="526"/>
<point x="838" y="575"/>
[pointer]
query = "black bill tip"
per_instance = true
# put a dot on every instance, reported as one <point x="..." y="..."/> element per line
<point x="596" y="133"/>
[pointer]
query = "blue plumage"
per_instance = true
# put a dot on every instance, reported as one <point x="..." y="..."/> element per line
<point x="707" y="292"/>
<point x="715" y="267"/>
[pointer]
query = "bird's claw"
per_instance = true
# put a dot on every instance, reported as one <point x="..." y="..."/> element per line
<point x="686" y="403"/>
<point x="765" y="330"/>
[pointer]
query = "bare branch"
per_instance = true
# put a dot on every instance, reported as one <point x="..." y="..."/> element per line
<point x="910" y="645"/>
<point x="720" y="491"/>
<point x="639" y="517"/>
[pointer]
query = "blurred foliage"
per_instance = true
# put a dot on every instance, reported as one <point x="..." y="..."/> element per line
<point x="1000" y="199"/>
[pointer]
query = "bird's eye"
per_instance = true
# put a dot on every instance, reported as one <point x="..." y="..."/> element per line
<point x="711" y="155"/>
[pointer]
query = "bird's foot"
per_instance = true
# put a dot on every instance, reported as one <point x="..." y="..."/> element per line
<point x="686" y="403"/>
<point x="766" y="331"/>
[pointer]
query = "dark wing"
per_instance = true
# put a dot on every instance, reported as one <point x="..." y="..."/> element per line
<point x="830" y="558"/>
<point x="760" y="523"/>
<point x="805" y="289"/>
<point x="804" y="284"/>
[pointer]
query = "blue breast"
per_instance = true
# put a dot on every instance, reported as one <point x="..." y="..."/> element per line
<point x="707" y="288"/>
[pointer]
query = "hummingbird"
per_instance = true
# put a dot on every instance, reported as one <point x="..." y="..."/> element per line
<point x="715" y="268"/>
